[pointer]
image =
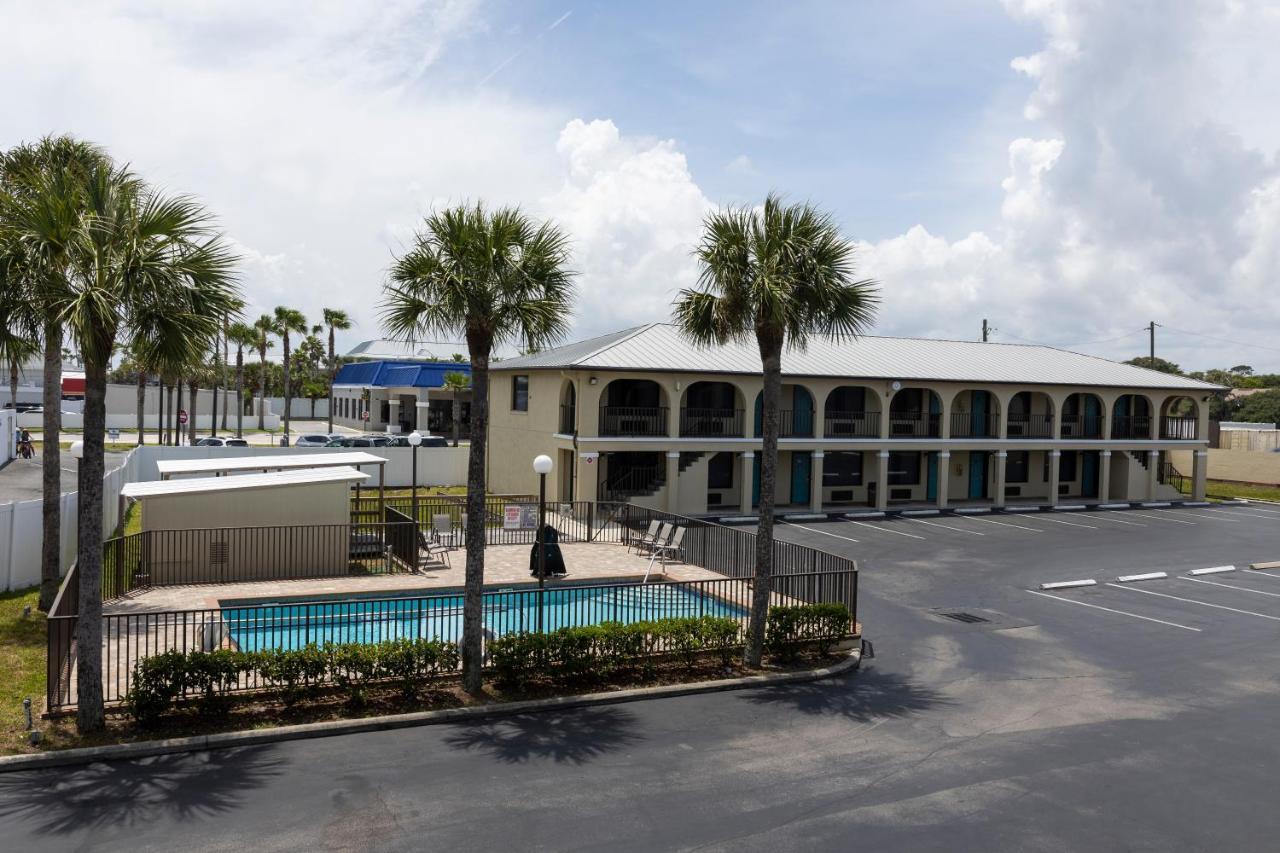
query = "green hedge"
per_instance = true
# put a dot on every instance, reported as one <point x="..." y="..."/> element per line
<point x="789" y="629"/>
<point x="208" y="678"/>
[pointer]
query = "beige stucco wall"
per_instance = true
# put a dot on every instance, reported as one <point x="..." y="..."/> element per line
<point x="1241" y="466"/>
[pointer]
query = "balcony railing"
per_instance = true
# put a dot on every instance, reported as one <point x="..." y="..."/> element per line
<point x="568" y="419"/>
<point x="1031" y="426"/>
<point x="1131" y="426"/>
<point x="633" y="420"/>
<point x="851" y="424"/>
<point x="710" y="423"/>
<point x="795" y="423"/>
<point x="975" y="425"/>
<point x="1082" y="426"/>
<point x="1179" y="428"/>
<point x="915" y="425"/>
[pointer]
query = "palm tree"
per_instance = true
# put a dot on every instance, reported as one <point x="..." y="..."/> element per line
<point x="263" y="327"/>
<point x="41" y="190"/>
<point x="496" y="277"/>
<point x="242" y="336"/>
<point x="135" y="252"/>
<point x="334" y="319"/>
<point x="18" y="342"/>
<point x="457" y="383"/>
<point x="287" y="320"/>
<point x="776" y="274"/>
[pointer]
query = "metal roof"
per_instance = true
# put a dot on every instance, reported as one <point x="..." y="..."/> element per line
<point x="398" y="374"/>
<point x="281" y="462"/>
<point x="275" y="479"/>
<point x="661" y="347"/>
<point x="382" y="349"/>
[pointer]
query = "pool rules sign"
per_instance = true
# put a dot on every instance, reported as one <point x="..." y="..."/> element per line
<point x="519" y="517"/>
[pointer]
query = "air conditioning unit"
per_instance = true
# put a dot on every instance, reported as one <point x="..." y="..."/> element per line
<point x="1068" y="429"/>
<point x="1015" y="429"/>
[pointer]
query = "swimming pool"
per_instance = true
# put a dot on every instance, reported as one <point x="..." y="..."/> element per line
<point x="262" y="625"/>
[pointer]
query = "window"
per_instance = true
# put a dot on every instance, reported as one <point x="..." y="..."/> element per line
<point x="720" y="471"/>
<point x="1066" y="466"/>
<point x="1017" y="466"/>
<point x="904" y="468"/>
<point x="842" y="469"/>
<point x="520" y="393"/>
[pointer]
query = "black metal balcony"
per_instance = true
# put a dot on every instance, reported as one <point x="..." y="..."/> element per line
<point x="1179" y="428"/>
<point x="1082" y="426"/>
<point x="796" y="423"/>
<point x="975" y="425"/>
<point x="1131" y="427"/>
<point x="710" y="423"/>
<point x="915" y="425"/>
<point x="1031" y="426"/>
<point x="633" y="420"/>
<point x="839" y="424"/>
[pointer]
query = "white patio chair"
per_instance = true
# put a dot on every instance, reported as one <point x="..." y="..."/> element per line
<point x="672" y="548"/>
<point x="647" y="538"/>
<point x="432" y="551"/>
<point x="442" y="530"/>
<point x="661" y="538"/>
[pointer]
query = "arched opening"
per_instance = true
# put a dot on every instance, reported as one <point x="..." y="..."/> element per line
<point x="1030" y="415"/>
<point x="1131" y="417"/>
<point x="1179" y="419"/>
<point x="795" y="413"/>
<point x="568" y="408"/>
<point x="633" y="407"/>
<point x="711" y="409"/>
<point x="1082" y="416"/>
<point x="915" y="413"/>
<point x="975" y="414"/>
<point x="851" y="411"/>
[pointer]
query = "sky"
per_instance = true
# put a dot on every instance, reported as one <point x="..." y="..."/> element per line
<point x="1069" y="170"/>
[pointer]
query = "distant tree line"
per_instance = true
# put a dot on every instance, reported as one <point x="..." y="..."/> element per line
<point x="1260" y="407"/>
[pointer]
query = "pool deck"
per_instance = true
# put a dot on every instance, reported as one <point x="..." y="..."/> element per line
<point x="505" y="566"/>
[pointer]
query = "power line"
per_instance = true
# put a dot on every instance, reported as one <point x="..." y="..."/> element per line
<point x="1222" y="340"/>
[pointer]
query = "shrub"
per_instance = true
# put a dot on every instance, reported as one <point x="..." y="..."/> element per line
<point x="352" y="666"/>
<point x="683" y="638"/>
<point x="573" y="652"/>
<point x="517" y="658"/>
<point x="410" y="661"/>
<point x="621" y="648"/>
<point x="722" y="635"/>
<point x="791" y="628"/>
<point x="215" y="674"/>
<point x="294" y="671"/>
<point x="157" y="683"/>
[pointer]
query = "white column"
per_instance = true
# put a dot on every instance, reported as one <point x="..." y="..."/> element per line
<point x="1055" y="469"/>
<point x="1153" y="471"/>
<point x="1002" y="457"/>
<point x="393" y="412"/>
<point x="1104" y="476"/>
<point x="748" y="473"/>
<point x="882" y="481"/>
<point x="1199" y="474"/>
<point x="420" y="418"/>
<point x="944" y="475"/>
<point x="815" y="482"/>
<point x="673" y="476"/>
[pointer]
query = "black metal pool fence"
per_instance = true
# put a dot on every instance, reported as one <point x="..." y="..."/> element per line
<point x="159" y="558"/>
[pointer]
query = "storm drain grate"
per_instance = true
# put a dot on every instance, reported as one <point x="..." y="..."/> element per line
<point x="969" y="618"/>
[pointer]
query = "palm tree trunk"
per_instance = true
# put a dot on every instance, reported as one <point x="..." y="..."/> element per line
<point x="13" y="387"/>
<point x="333" y="374"/>
<point x="170" y="416"/>
<point x="287" y="398"/>
<point x="226" y="360"/>
<point x="457" y="415"/>
<point x="195" y="410"/>
<point x="160" y="409"/>
<point x="239" y="392"/>
<point x="89" y="707"/>
<point x="771" y="359"/>
<point x="262" y="397"/>
<point x="177" y="425"/>
<point x="472" y="604"/>
<point x="213" y="411"/>
<point x="142" y="405"/>
<point x="51" y="467"/>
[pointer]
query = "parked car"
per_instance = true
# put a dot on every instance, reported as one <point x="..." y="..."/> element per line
<point x="354" y="441"/>
<point x="219" y="441"/>
<point x="312" y="439"/>
<point x="427" y="441"/>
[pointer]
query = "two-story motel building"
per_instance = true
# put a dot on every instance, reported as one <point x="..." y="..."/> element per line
<point x="644" y="415"/>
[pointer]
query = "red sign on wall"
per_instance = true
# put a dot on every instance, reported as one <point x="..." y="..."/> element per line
<point x="182" y="416"/>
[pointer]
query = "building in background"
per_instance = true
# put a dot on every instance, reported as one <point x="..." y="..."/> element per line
<point x="645" y="416"/>
<point x="400" y="396"/>
<point x="382" y="349"/>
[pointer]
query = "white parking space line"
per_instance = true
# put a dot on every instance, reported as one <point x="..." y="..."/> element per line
<point x="1257" y="574"/>
<point x="1235" y="512"/>
<point x="1193" y="601"/>
<point x="1255" y="508"/>
<point x="1111" y="610"/>
<point x="1097" y="516"/>
<point x="1158" y="517"/>
<point x="1230" y="586"/>
<point x="1067" y="523"/>
<point x="1199" y="515"/>
<point x="1002" y="523"/>
<point x="948" y="527"/>
<point x="885" y="529"/>
<point x="816" y="530"/>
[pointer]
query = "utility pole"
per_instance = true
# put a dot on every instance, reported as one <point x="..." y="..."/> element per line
<point x="987" y="330"/>
<point x="1152" y="329"/>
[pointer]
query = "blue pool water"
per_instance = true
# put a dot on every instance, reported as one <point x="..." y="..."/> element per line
<point x="294" y="625"/>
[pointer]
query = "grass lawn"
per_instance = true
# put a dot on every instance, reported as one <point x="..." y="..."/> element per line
<point x="22" y="659"/>
<point x="423" y="491"/>
<point x="1227" y="489"/>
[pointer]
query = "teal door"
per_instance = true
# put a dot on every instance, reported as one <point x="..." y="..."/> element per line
<point x="755" y="480"/>
<point x="759" y="415"/>
<point x="977" y="474"/>
<point x="1089" y="474"/>
<point x="1092" y="415"/>
<point x="800" y="478"/>
<point x="932" y="491"/>
<point x="802" y="411"/>
<point x="978" y="422"/>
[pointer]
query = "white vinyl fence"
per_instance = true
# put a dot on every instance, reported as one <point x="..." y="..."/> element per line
<point x="21" y="528"/>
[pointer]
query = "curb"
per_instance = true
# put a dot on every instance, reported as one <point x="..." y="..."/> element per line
<point x="228" y="740"/>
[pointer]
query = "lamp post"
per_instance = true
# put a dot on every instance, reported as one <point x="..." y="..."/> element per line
<point x="541" y="466"/>
<point x="415" y="439"/>
<point x="77" y="450"/>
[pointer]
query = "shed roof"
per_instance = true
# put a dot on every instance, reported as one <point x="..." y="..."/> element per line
<point x="274" y="479"/>
<point x="230" y="465"/>
<point x="661" y="347"/>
